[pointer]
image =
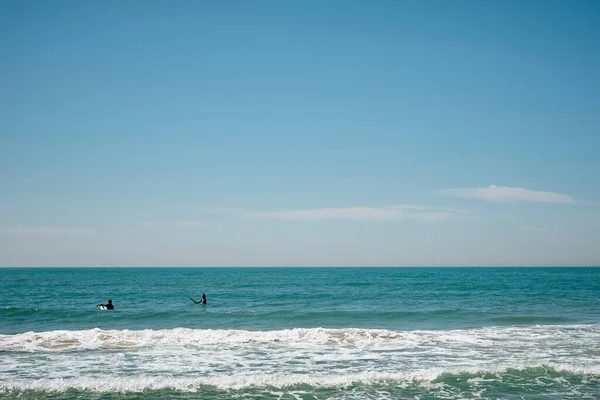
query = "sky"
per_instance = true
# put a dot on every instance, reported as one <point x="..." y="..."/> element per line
<point x="299" y="133"/>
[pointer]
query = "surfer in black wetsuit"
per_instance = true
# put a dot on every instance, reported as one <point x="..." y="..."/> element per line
<point x="202" y="300"/>
<point x="109" y="305"/>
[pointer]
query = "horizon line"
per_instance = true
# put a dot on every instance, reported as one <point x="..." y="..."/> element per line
<point x="308" y="266"/>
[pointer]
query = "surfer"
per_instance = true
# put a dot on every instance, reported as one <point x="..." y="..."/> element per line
<point x="202" y="300"/>
<point x="108" y="306"/>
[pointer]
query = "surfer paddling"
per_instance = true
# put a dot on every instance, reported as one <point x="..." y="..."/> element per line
<point x="202" y="300"/>
<point x="108" y="306"/>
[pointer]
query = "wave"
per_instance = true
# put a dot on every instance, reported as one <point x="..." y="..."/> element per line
<point x="435" y="376"/>
<point x="551" y="359"/>
<point x="65" y="340"/>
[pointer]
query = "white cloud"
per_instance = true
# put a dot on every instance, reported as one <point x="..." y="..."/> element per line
<point x="45" y="231"/>
<point x="393" y="212"/>
<point x="508" y="194"/>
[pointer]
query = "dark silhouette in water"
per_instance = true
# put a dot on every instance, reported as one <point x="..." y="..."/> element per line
<point x="109" y="305"/>
<point x="202" y="300"/>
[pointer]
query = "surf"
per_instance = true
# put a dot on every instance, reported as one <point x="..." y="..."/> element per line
<point x="553" y="375"/>
<point x="66" y="340"/>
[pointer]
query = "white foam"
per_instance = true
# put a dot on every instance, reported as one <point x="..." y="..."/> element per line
<point x="425" y="378"/>
<point x="184" y="359"/>
<point x="281" y="381"/>
<point x="124" y="339"/>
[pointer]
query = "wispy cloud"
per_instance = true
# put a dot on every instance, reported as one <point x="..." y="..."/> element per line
<point x="45" y="231"/>
<point x="392" y="212"/>
<point x="508" y="194"/>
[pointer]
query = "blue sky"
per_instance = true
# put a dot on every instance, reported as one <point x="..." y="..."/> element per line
<point x="299" y="133"/>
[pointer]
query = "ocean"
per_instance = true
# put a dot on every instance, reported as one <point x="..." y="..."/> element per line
<point x="300" y="333"/>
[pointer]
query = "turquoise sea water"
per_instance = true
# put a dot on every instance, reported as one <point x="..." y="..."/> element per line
<point x="301" y="333"/>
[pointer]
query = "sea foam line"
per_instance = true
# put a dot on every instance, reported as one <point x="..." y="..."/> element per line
<point x="426" y="378"/>
<point x="63" y="340"/>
